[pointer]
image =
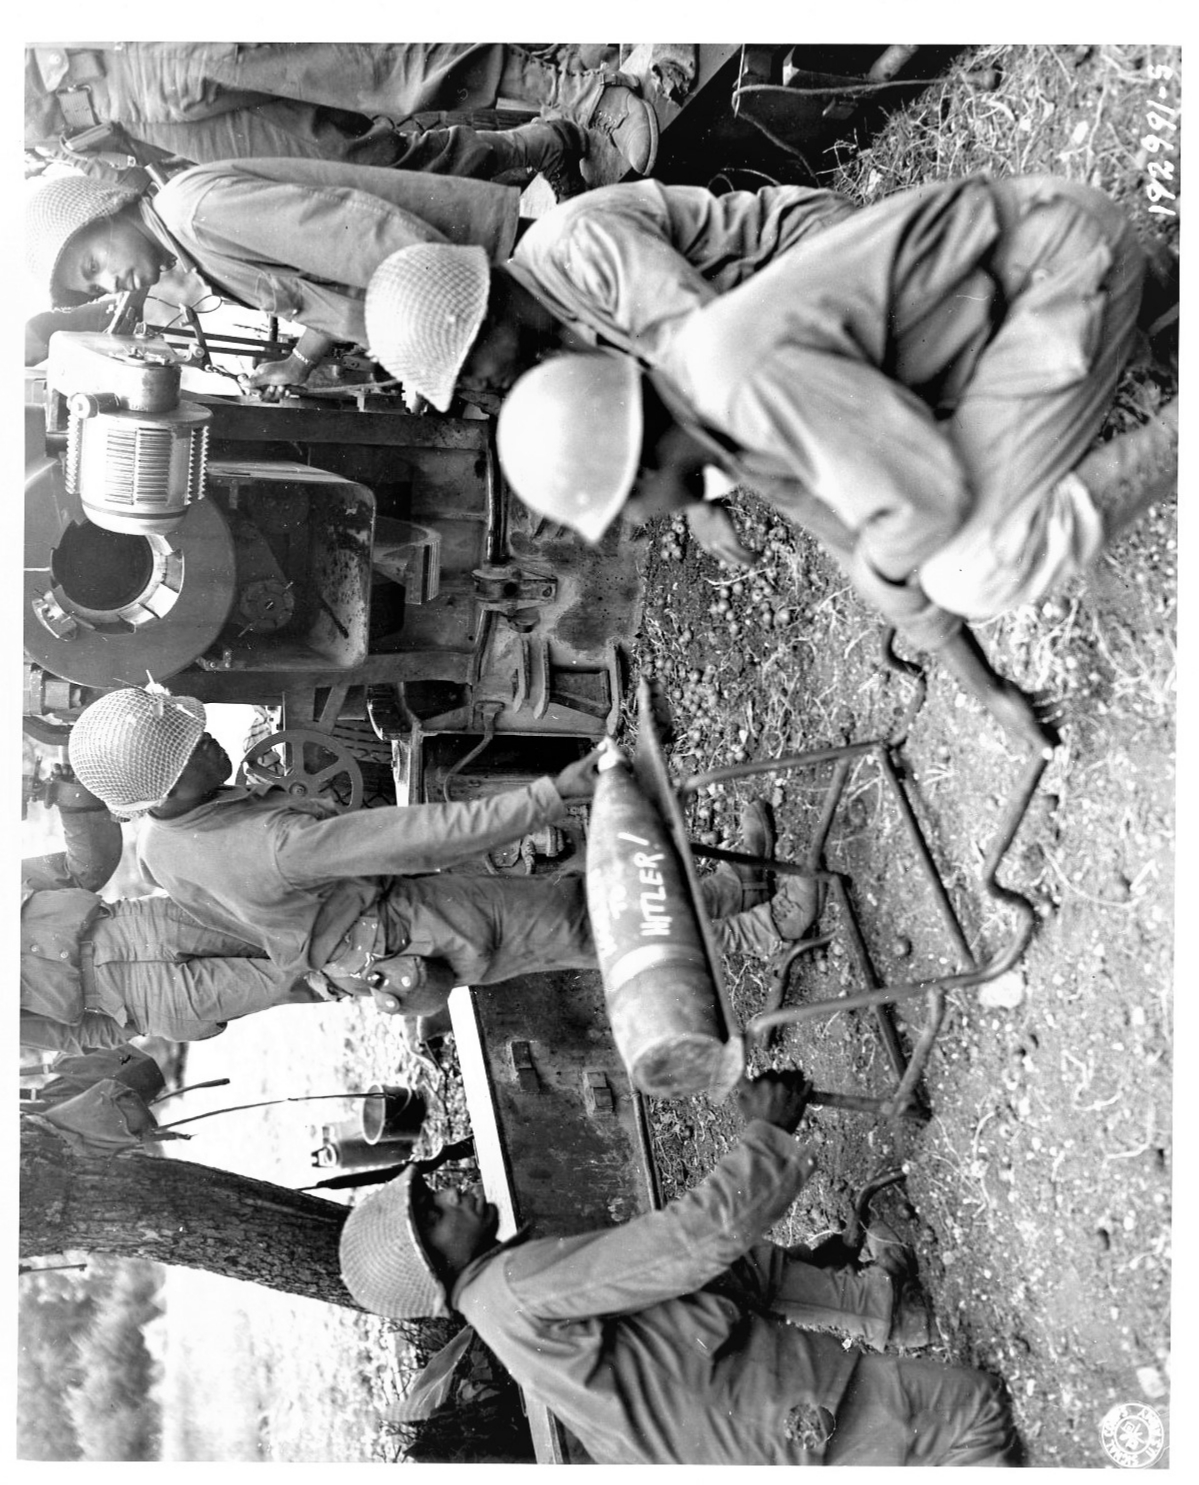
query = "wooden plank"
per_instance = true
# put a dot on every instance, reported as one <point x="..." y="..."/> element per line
<point x="484" y="1112"/>
<point x="549" y="1446"/>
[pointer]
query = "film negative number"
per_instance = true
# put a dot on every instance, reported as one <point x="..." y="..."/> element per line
<point x="1160" y="145"/>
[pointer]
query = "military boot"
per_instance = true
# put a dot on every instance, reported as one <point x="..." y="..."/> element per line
<point x="623" y="136"/>
<point x="911" y="1316"/>
<point x="768" y="929"/>
<point x="732" y="887"/>
<point x="1132" y="471"/>
<point x="548" y="147"/>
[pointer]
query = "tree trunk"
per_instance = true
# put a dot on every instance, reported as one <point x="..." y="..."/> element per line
<point x="171" y="1211"/>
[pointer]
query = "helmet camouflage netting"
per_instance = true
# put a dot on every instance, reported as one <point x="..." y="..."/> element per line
<point x="130" y="747"/>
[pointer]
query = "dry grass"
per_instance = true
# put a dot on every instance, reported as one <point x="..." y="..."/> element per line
<point x="1015" y="110"/>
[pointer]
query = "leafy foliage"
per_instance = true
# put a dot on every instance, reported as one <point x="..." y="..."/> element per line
<point x="85" y="1378"/>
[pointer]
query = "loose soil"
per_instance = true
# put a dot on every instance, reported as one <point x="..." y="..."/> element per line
<point x="1037" y="1195"/>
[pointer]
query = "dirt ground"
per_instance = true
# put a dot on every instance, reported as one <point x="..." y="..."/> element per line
<point x="1038" y="1194"/>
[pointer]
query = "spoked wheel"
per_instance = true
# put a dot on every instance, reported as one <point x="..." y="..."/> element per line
<point x="308" y="764"/>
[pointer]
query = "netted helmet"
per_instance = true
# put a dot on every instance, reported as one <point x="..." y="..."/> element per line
<point x="424" y="306"/>
<point x="130" y="746"/>
<point x="55" y="212"/>
<point x="383" y="1261"/>
<point x="569" y="438"/>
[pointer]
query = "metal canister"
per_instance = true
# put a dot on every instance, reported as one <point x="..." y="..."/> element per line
<point x="352" y="1152"/>
<point x="391" y="1114"/>
<point x="344" y="1145"/>
<point x="662" y="1003"/>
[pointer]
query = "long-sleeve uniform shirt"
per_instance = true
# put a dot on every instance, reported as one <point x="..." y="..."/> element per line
<point x="301" y="238"/>
<point x="926" y="370"/>
<point x="294" y="877"/>
<point x="626" y="264"/>
<point x="95" y="973"/>
<point x="651" y="1341"/>
<point x="668" y="1340"/>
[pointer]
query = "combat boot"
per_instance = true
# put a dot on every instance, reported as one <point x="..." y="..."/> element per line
<point x="884" y="1246"/>
<point x="911" y="1317"/>
<point x="766" y="930"/>
<point x="1132" y="471"/>
<point x="548" y="147"/>
<point x="732" y="887"/>
<point x="756" y="838"/>
<point x="796" y="906"/>
<point x="624" y="136"/>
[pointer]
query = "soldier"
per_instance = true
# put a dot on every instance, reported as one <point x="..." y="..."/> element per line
<point x="294" y="238"/>
<point x="96" y="973"/>
<point x="367" y="897"/>
<point x="620" y="266"/>
<point x="679" y="1337"/>
<point x="206" y="101"/>
<point x="918" y="385"/>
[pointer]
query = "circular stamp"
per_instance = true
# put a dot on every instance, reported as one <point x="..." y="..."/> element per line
<point x="1133" y="1435"/>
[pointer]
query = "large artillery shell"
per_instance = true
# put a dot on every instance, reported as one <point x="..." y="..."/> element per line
<point x="662" y="1003"/>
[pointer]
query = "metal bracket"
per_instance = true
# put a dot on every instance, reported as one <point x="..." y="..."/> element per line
<point x="387" y="712"/>
<point x="522" y="1064"/>
<point x="54" y="618"/>
<point x="532" y="687"/>
<point x="409" y="554"/>
<point x="601" y="1099"/>
<point x="509" y="591"/>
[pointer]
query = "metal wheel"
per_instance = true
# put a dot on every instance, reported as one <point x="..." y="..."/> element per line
<point x="43" y="730"/>
<point x="309" y="764"/>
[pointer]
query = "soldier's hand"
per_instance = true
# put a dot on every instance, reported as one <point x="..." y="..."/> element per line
<point x="1018" y="714"/>
<point x="1021" y="716"/>
<point x="577" y="780"/>
<point x="272" y="378"/>
<point x="65" y="792"/>
<point x="713" y="529"/>
<point x="779" y="1098"/>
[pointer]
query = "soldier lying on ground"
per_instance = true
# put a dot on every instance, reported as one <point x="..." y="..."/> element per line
<point x="208" y="101"/>
<point x="680" y="1337"/>
<point x="367" y="894"/>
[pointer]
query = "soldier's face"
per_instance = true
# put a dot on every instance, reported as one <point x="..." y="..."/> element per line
<point x="110" y="257"/>
<point x="502" y="351"/>
<point x="455" y="1224"/>
<point x="206" y="770"/>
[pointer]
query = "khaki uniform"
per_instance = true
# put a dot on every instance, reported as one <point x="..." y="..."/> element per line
<point x="208" y="101"/>
<point x="624" y="265"/>
<point x="298" y="879"/>
<point x="302" y="238"/>
<point x="667" y="1340"/>
<point x="96" y="973"/>
<point x="925" y="373"/>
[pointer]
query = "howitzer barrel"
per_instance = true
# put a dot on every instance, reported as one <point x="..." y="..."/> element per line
<point x="661" y="1000"/>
